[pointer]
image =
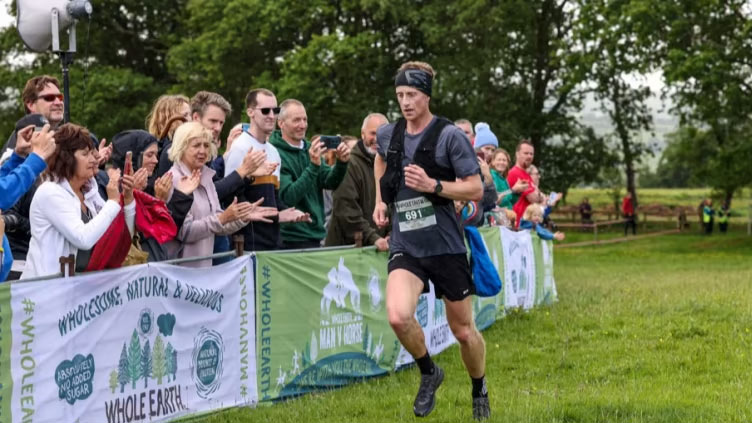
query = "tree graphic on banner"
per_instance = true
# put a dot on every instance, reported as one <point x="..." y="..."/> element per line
<point x="174" y="361"/>
<point x="168" y="361"/>
<point x="123" y="369"/>
<point x="159" y="364"/>
<point x="307" y="355"/>
<point x="134" y="359"/>
<point x="146" y="364"/>
<point x="366" y="340"/>
<point x="113" y="380"/>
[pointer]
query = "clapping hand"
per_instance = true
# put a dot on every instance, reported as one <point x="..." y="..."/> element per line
<point x="104" y="152"/>
<point x="252" y="161"/>
<point x="259" y="213"/>
<point x="162" y="186"/>
<point x="187" y="184"/>
<point x="113" y="191"/>
<point x="266" y="169"/>
<point x="293" y="215"/>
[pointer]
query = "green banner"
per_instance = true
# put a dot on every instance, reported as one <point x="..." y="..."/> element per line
<point x="6" y="381"/>
<point x="321" y="320"/>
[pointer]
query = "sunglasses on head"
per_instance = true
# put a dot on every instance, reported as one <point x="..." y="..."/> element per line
<point x="50" y="97"/>
<point x="266" y="110"/>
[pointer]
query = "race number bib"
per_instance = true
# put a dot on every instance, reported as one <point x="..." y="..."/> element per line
<point x="415" y="213"/>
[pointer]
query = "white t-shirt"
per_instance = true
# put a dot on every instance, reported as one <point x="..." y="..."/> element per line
<point x="240" y="148"/>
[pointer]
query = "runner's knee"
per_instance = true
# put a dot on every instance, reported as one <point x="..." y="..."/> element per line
<point x="399" y="319"/>
<point x="464" y="333"/>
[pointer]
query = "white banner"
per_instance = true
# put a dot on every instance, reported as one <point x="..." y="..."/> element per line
<point x="142" y="343"/>
<point x="549" y="284"/>
<point x="519" y="268"/>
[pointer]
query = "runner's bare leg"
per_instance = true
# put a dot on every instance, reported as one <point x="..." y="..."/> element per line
<point x="403" y="289"/>
<point x="472" y="346"/>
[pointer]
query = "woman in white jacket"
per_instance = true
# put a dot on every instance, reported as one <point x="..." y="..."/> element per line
<point x="67" y="214"/>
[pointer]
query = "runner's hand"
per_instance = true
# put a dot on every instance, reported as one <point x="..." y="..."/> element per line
<point x="417" y="179"/>
<point x="379" y="215"/>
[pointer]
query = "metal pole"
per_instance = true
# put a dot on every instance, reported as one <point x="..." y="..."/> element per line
<point x="66" y="58"/>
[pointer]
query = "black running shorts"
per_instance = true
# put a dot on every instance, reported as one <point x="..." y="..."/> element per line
<point x="450" y="273"/>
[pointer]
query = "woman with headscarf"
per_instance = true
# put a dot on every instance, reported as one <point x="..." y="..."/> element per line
<point x="143" y="148"/>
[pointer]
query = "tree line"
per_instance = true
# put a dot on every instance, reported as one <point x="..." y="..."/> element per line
<point x="524" y="66"/>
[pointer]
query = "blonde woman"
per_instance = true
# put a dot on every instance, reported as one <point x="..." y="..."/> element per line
<point x="167" y="113"/>
<point x="192" y="148"/>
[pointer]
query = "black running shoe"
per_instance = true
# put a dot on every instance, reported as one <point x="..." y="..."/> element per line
<point x="426" y="398"/>
<point x="481" y="408"/>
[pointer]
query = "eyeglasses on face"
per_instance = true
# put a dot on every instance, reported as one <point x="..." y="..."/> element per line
<point x="266" y="110"/>
<point x="50" y="97"/>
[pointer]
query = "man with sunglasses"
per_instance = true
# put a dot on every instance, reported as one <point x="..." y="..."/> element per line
<point x="262" y="110"/>
<point x="42" y="96"/>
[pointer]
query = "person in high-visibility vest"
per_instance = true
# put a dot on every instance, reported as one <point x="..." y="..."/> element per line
<point x="723" y="216"/>
<point x="707" y="216"/>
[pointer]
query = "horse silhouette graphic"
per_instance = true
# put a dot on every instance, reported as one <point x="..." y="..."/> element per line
<point x="374" y="290"/>
<point x="340" y="285"/>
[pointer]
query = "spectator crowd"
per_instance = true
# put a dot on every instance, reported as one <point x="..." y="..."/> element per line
<point x="166" y="192"/>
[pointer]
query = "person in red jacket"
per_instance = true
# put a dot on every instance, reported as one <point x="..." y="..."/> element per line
<point x="523" y="160"/>
<point x="628" y="211"/>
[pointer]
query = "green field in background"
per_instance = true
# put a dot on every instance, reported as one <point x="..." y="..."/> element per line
<point x="654" y="330"/>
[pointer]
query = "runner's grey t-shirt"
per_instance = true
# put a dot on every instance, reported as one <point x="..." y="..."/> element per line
<point x="420" y="228"/>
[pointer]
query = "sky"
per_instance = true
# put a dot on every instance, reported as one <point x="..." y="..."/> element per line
<point x="5" y="17"/>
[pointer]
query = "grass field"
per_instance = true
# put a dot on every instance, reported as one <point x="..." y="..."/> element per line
<point x="656" y="330"/>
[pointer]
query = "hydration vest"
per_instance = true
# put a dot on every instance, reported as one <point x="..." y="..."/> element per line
<point x="425" y="157"/>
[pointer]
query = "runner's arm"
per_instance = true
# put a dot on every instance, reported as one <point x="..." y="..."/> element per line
<point x="380" y="215"/>
<point x="463" y="189"/>
<point x="379" y="168"/>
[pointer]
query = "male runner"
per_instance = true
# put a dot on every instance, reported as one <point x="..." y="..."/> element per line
<point x="424" y="163"/>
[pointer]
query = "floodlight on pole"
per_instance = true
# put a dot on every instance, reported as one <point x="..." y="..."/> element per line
<point x="39" y="23"/>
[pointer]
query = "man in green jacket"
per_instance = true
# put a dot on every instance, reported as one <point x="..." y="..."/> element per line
<point x="304" y="175"/>
<point x="354" y="200"/>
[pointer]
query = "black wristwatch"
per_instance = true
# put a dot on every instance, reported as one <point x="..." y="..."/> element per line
<point x="437" y="189"/>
